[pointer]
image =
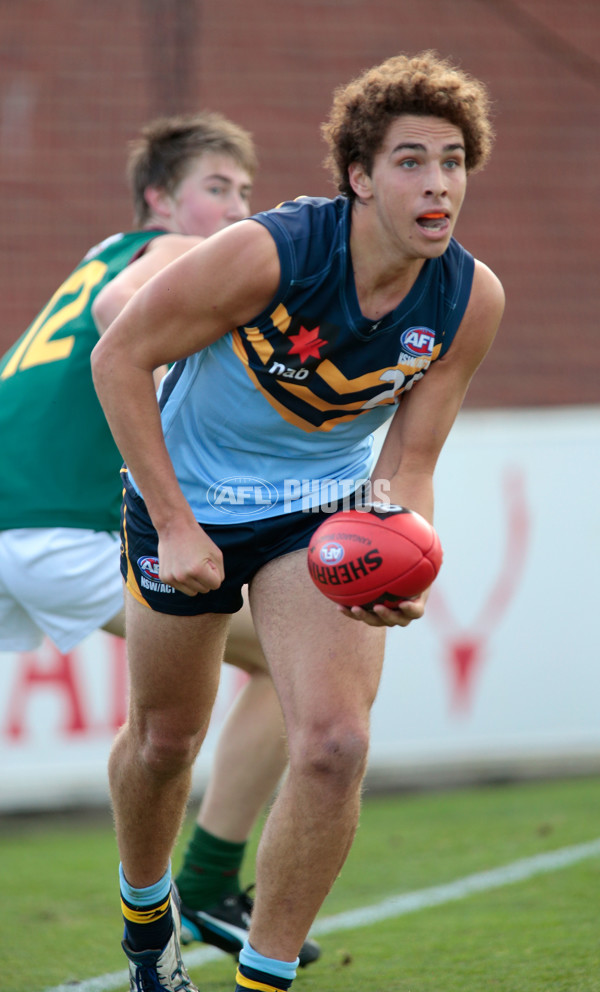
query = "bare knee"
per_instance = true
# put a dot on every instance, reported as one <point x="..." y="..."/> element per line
<point x="333" y="754"/>
<point x="166" y="748"/>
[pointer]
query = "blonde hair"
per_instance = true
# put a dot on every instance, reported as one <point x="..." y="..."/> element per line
<point x="161" y="153"/>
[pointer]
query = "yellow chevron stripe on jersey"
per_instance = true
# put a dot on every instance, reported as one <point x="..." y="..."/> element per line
<point x="331" y="375"/>
<point x="307" y="396"/>
<point x="133" y="915"/>
<point x="338" y="381"/>
<point x="263" y="348"/>
<point x="281" y="318"/>
<point x="292" y="418"/>
<point x="327" y="371"/>
<point x="247" y="983"/>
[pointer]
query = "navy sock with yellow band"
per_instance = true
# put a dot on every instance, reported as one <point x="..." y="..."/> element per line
<point x="249" y="980"/>
<point x="147" y="913"/>
<point x="256" y="973"/>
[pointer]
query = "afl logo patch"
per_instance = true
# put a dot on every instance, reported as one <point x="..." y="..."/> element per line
<point x="149" y="566"/>
<point x="331" y="553"/>
<point x="247" y="495"/>
<point x="418" y="341"/>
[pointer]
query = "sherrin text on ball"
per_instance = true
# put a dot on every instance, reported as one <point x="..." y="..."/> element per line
<point x="379" y="554"/>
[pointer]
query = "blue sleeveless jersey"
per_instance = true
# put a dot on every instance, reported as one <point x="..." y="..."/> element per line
<point x="277" y="416"/>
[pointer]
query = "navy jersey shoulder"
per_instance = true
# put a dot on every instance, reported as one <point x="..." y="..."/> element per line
<point x="312" y="235"/>
<point x="309" y="232"/>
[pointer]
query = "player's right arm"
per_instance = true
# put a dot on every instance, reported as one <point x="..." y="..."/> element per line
<point x="218" y="285"/>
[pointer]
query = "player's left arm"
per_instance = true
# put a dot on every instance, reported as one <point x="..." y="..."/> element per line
<point x="117" y="293"/>
<point x="425" y="417"/>
<point x="159" y="252"/>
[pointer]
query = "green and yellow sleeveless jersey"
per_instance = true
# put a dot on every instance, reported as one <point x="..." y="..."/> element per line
<point x="59" y="466"/>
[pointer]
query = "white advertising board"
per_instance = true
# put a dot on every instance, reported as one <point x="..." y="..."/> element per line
<point x="500" y="678"/>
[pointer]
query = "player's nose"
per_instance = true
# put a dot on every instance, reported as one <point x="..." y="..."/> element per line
<point x="238" y="208"/>
<point x="435" y="181"/>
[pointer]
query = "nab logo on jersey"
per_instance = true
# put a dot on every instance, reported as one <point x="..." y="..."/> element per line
<point x="418" y="341"/>
<point x="149" y="566"/>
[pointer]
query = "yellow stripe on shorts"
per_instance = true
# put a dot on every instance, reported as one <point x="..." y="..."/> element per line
<point x="130" y="581"/>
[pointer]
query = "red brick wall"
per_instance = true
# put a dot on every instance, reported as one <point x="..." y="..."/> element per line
<point x="78" y="78"/>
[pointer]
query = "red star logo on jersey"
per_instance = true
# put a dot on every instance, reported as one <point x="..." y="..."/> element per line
<point x="306" y="343"/>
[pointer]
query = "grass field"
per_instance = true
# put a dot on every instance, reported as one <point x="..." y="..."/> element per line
<point x="60" y="921"/>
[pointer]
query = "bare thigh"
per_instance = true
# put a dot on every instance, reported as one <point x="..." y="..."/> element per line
<point x="174" y="667"/>
<point x="325" y="666"/>
<point x="116" y="625"/>
<point x="243" y="647"/>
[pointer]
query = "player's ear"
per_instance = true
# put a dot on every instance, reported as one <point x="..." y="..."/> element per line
<point x="360" y="180"/>
<point x="159" y="201"/>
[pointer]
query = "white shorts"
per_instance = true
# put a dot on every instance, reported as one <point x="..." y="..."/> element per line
<point x="59" y="581"/>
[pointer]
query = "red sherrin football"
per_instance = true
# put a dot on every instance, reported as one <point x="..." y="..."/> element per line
<point x="381" y="554"/>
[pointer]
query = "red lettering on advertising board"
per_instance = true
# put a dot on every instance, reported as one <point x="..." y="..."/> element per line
<point x="55" y="672"/>
<point x="465" y="649"/>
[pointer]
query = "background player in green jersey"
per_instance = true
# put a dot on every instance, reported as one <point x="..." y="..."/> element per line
<point x="61" y="493"/>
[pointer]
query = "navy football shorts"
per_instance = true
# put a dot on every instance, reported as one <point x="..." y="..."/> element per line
<point x="246" y="547"/>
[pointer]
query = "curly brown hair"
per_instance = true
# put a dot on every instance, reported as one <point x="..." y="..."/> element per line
<point x="165" y="147"/>
<point x="423" y="84"/>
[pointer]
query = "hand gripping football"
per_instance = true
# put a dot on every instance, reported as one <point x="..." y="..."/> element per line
<point x="380" y="554"/>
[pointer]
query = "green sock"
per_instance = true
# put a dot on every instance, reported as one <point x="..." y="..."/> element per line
<point x="210" y="869"/>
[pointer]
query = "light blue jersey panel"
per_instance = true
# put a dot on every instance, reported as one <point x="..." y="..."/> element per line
<point x="229" y="470"/>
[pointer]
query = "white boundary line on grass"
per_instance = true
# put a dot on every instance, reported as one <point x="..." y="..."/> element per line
<point x="407" y="902"/>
